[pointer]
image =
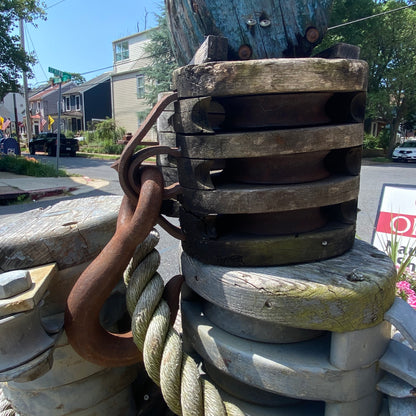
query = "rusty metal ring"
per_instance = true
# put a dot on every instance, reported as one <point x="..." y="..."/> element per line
<point x="169" y="192"/>
<point x="140" y="157"/>
<point x="123" y="164"/>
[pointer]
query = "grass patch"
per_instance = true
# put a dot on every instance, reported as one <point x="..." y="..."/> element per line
<point x="28" y="166"/>
<point x="380" y="159"/>
<point x="97" y="156"/>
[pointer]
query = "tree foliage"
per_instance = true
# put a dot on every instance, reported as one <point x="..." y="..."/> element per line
<point x="388" y="44"/>
<point x="162" y="61"/>
<point x="13" y="59"/>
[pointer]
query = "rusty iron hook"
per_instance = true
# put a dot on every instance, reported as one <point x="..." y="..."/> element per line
<point x="88" y="338"/>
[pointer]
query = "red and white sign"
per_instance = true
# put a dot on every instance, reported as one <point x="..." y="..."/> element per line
<point x="396" y="219"/>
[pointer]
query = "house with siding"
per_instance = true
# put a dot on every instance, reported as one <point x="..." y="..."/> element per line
<point x="128" y="82"/>
<point x="86" y="103"/>
<point x="44" y="104"/>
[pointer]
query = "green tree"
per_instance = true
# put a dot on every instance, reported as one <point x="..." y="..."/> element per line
<point x="388" y="45"/>
<point x="162" y="61"/>
<point x="13" y="59"/>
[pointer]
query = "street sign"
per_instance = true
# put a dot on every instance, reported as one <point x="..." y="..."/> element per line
<point x="60" y="76"/>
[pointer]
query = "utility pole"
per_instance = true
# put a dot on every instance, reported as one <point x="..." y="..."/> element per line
<point x="16" y="120"/>
<point x="60" y="76"/>
<point x="25" y="89"/>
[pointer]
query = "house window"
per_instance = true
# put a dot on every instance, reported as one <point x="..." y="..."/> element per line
<point x="78" y="103"/>
<point x="140" y="86"/>
<point x="140" y="119"/>
<point x="37" y="107"/>
<point x="67" y="104"/>
<point x="122" y="50"/>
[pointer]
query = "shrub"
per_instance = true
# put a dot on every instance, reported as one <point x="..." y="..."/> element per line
<point x="370" y="142"/>
<point x="28" y="166"/>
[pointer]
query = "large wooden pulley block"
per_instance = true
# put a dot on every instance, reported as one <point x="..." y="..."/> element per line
<point x="270" y="158"/>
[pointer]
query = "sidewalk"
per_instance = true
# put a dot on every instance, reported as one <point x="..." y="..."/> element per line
<point x="13" y="187"/>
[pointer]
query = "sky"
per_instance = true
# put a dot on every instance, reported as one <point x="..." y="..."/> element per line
<point x="78" y="34"/>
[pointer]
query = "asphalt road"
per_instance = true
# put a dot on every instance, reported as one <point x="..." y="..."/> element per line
<point x="372" y="178"/>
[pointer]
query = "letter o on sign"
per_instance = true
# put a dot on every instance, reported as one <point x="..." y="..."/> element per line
<point x="400" y="224"/>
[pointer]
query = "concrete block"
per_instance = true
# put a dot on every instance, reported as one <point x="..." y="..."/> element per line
<point x="299" y="370"/>
<point x="369" y="405"/>
<point x="355" y="349"/>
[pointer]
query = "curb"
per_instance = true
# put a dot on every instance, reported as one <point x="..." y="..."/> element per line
<point x="34" y="195"/>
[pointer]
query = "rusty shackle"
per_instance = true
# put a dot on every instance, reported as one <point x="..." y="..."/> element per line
<point x="88" y="338"/>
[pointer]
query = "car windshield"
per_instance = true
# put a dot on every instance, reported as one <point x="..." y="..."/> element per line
<point x="408" y="144"/>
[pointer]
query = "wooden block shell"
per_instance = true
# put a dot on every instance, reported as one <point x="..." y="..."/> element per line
<point x="270" y="142"/>
<point x="268" y="76"/>
<point x="234" y="198"/>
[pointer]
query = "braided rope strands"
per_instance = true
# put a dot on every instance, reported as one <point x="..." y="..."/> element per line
<point x="184" y="390"/>
<point x="5" y="406"/>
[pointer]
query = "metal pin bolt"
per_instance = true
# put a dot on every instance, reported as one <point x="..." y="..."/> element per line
<point x="251" y="22"/>
<point x="14" y="282"/>
<point x="312" y="35"/>
<point x="324" y="243"/>
<point x="146" y="397"/>
<point x="245" y="52"/>
<point x="265" y="23"/>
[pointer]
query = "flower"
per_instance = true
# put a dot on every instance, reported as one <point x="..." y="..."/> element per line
<point x="406" y="288"/>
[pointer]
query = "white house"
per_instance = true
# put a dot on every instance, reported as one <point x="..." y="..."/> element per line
<point x="128" y="81"/>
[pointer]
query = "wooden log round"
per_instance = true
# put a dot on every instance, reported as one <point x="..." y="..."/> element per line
<point x="270" y="76"/>
<point x="345" y="293"/>
<point x="68" y="233"/>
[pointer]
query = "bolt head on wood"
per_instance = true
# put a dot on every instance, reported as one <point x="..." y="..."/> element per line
<point x="14" y="282"/>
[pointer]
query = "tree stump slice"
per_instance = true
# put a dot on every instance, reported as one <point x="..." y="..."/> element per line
<point x="68" y="233"/>
<point x="270" y="76"/>
<point x="345" y="293"/>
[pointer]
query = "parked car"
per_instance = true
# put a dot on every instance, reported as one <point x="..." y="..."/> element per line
<point x="405" y="152"/>
<point x="47" y="142"/>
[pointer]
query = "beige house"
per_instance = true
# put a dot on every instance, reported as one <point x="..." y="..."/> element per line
<point x="128" y="81"/>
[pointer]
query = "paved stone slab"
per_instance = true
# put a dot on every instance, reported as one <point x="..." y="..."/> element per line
<point x="395" y="387"/>
<point x="403" y="317"/>
<point x="400" y="361"/>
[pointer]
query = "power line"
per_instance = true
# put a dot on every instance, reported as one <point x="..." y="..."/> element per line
<point x="371" y="17"/>
<point x="34" y="50"/>
<point x="55" y="4"/>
